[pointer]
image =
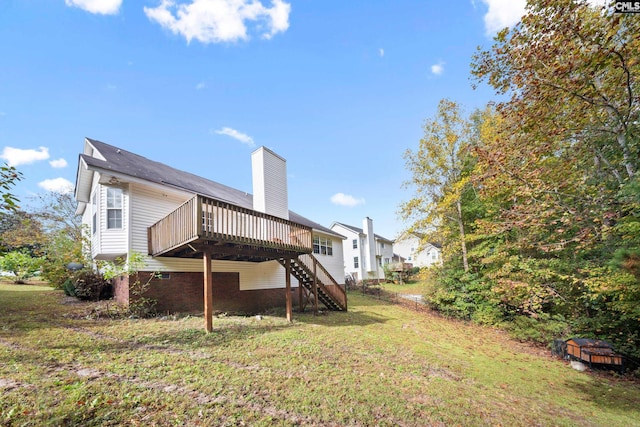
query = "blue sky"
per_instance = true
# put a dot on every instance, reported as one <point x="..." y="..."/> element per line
<point x="338" y="88"/>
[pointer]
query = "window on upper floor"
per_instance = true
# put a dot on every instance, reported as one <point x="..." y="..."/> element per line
<point x="355" y="262"/>
<point x="382" y="245"/>
<point x="114" y="208"/>
<point x="322" y="245"/>
<point x="355" y="243"/>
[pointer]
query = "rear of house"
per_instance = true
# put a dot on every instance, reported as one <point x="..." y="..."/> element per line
<point x="185" y="224"/>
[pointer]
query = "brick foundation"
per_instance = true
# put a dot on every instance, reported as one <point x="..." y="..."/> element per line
<point x="184" y="292"/>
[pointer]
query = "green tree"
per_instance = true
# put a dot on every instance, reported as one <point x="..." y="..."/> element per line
<point x="63" y="240"/>
<point x="439" y="178"/>
<point x="557" y="168"/>
<point x="8" y="178"/>
<point x="21" y="230"/>
<point x="20" y="264"/>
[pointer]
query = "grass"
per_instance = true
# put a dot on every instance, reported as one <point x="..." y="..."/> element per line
<point x="410" y="288"/>
<point x="378" y="364"/>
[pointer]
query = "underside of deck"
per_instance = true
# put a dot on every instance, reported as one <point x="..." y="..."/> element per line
<point x="229" y="251"/>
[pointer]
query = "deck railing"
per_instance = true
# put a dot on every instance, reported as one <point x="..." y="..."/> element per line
<point x="202" y="218"/>
<point x="329" y="284"/>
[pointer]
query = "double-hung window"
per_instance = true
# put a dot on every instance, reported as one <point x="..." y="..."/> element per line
<point x="322" y="246"/>
<point x="114" y="208"/>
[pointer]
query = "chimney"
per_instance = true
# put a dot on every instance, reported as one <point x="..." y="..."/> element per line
<point x="269" y="183"/>
<point x="369" y="245"/>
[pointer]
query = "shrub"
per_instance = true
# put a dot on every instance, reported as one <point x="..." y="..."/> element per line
<point x="92" y="286"/>
<point x="69" y="288"/>
<point x="542" y="330"/>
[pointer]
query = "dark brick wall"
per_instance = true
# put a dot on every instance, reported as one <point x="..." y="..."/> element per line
<point x="184" y="292"/>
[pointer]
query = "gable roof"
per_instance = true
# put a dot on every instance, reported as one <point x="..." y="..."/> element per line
<point x="361" y="231"/>
<point x="130" y="164"/>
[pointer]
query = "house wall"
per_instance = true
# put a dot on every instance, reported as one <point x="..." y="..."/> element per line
<point x="334" y="264"/>
<point x="408" y="247"/>
<point x="258" y="285"/>
<point x="106" y="243"/>
<point x="349" y="252"/>
<point x="184" y="292"/>
<point x="371" y="255"/>
<point x="384" y="254"/>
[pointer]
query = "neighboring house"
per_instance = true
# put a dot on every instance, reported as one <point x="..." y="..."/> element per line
<point x="409" y="247"/>
<point x="365" y="253"/>
<point x="215" y="247"/>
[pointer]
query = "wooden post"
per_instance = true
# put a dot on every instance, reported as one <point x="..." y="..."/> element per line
<point x="287" y="268"/>
<point x="208" y="293"/>
<point x="315" y="287"/>
<point x="300" y="296"/>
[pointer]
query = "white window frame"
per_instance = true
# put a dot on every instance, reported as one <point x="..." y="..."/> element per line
<point x="114" y="205"/>
<point x="322" y="245"/>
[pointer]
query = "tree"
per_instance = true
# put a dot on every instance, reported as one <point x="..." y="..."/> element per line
<point x="557" y="165"/>
<point x="63" y="239"/>
<point x="438" y="176"/>
<point x="20" y="230"/>
<point x="8" y="178"/>
<point x="20" y="264"/>
<point x="573" y="69"/>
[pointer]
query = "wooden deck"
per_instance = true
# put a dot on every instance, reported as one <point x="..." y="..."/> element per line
<point x="226" y="231"/>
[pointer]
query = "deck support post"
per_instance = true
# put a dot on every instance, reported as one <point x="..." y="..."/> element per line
<point x="287" y="268"/>
<point x="208" y="292"/>
<point x="315" y="287"/>
<point x="301" y="296"/>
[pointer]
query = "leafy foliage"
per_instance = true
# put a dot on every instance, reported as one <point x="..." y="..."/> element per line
<point x="8" y="178"/>
<point x="552" y="214"/>
<point x="20" y="264"/>
<point x="90" y="285"/>
<point x="139" y="305"/>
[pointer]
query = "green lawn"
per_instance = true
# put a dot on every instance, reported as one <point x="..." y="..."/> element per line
<point x="378" y="364"/>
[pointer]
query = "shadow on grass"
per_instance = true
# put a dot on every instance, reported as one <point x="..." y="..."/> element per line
<point x="606" y="393"/>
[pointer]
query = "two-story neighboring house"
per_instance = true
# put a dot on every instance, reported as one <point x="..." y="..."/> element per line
<point x="213" y="246"/>
<point x="414" y="251"/>
<point x="365" y="253"/>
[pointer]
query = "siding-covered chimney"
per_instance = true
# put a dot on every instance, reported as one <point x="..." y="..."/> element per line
<point x="270" y="193"/>
<point x="369" y="245"/>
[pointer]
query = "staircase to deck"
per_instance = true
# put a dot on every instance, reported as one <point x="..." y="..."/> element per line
<point x="324" y="289"/>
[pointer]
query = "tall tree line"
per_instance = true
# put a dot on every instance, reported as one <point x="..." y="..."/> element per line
<point x="548" y="238"/>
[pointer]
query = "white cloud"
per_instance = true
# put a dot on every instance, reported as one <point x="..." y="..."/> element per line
<point x="346" y="200"/>
<point x="381" y="52"/>
<point x="507" y="13"/>
<point x="103" y="7"/>
<point x="502" y="13"/>
<point x="215" y="21"/>
<point x="18" y="156"/>
<point x="242" y="137"/>
<point x="438" y="68"/>
<point x="200" y="86"/>
<point x="57" y="185"/>
<point x="58" y="164"/>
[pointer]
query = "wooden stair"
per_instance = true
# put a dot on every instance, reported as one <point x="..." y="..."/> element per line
<point x="329" y="292"/>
